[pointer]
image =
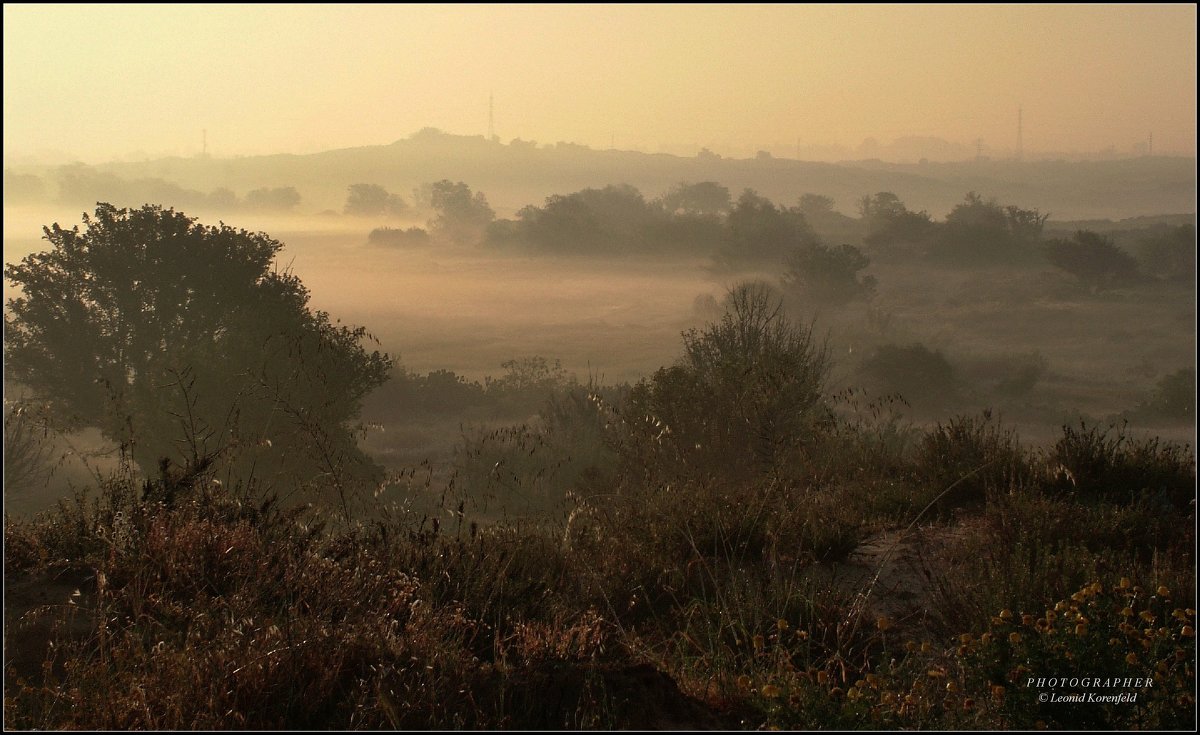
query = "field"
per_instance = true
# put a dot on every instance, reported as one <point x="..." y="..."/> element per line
<point x="885" y="550"/>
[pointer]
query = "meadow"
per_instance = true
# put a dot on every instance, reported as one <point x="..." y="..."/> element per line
<point x="611" y="503"/>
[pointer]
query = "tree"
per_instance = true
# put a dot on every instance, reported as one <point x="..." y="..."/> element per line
<point x="889" y="222"/>
<point x="983" y="230"/>
<point x="1170" y="255"/>
<point x="461" y="215"/>
<point x="757" y="230"/>
<point x="181" y="342"/>
<point x="704" y="198"/>
<point x="280" y="199"/>
<point x="372" y="200"/>
<point x="1094" y="259"/>
<point x="825" y="275"/>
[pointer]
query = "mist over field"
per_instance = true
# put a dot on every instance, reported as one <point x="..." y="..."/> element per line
<point x="815" y="382"/>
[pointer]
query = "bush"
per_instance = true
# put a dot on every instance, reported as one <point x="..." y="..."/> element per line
<point x="412" y="237"/>
<point x="745" y="392"/>
<point x="823" y="275"/>
<point x="1170" y="256"/>
<point x="921" y="375"/>
<point x="1174" y="397"/>
<point x="969" y="458"/>
<point x="1106" y="464"/>
<point x="1093" y="259"/>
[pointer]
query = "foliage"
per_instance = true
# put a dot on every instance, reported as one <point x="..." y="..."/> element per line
<point x="372" y="200"/>
<point x="1170" y="256"/>
<point x="969" y="458"/>
<point x="1091" y="462"/>
<point x="460" y="216"/>
<point x="823" y="275"/>
<point x="412" y="237"/>
<point x="278" y="199"/>
<point x="27" y="446"/>
<point x="704" y="198"/>
<point x="1174" y="396"/>
<point x="919" y="374"/>
<point x="983" y="230"/>
<point x="746" y="391"/>
<point x="178" y="341"/>
<point x="1093" y="259"/>
<point x="829" y="224"/>
<point x="889" y="223"/>
<point x="757" y="231"/>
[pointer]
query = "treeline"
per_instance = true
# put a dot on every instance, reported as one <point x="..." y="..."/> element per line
<point x="83" y="185"/>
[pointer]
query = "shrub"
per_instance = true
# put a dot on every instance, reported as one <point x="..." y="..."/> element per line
<point x="1093" y="259"/>
<point x="824" y="275"/>
<point x="970" y="457"/>
<point x="1107" y="464"/>
<point x="1174" y="397"/>
<point x="921" y="375"/>
<point x="1170" y="256"/>
<point x="745" y="391"/>
<point x="412" y="237"/>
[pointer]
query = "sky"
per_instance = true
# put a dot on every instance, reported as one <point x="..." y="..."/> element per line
<point x="104" y="82"/>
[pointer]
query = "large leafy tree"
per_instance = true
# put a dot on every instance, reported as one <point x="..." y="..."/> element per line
<point x="185" y="344"/>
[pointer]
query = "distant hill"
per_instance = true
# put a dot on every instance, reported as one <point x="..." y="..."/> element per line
<point x="519" y="173"/>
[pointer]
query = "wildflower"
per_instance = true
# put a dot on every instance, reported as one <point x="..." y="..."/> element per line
<point x="985" y="639"/>
<point x="1051" y="616"/>
<point x="1060" y="606"/>
<point x="836" y="692"/>
<point x="1163" y="592"/>
<point x="770" y="690"/>
<point x="951" y="687"/>
<point x="998" y="691"/>
<point x="1006" y="615"/>
<point x="968" y="703"/>
<point x="926" y="646"/>
<point x="1147" y="616"/>
<point x="822" y="677"/>
<point x="1127" y="612"/>
<point x="883" y="623"/>
<point x="758" y="642"/>
<point x="1026" y="619"/>
<point x="1187" y="631"/>
<point x="936" y="673"/>
<point x="1124" y="583"/>
<point x="1178" y="614"/>
<point x="1081" y="629"/>
<point x="1131" y="658"/>
<point x="743" y="682"/>
<point x="1014" y="638"/>
<point x="781" y="624"/>
<point x="965" y="638"/>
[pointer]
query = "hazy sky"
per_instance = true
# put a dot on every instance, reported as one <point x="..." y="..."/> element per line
<point x="108" y="81"/>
